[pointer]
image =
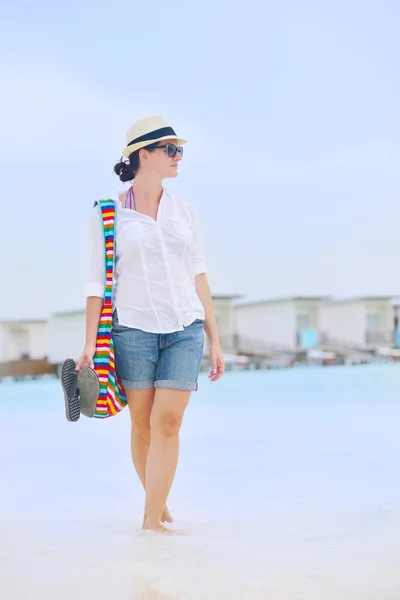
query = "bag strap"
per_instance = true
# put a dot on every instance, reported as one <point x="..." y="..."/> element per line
<point x="108" y="210"/>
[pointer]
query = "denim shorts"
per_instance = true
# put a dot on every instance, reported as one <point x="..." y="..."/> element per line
<point x="168" y="360"/>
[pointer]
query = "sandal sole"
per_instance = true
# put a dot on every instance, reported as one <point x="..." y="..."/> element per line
<point x="69" y="378"/>
<point x="89" y="389"/>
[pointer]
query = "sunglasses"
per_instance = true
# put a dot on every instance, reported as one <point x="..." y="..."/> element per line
<point x="172" y="150"/>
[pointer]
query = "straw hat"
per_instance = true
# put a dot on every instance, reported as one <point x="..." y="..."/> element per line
<point x="148" y="131"/>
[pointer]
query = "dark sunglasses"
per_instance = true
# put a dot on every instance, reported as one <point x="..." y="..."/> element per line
<point x="172" y="150"/>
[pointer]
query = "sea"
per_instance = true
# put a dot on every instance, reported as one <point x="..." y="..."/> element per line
<point x="288" y="488"/>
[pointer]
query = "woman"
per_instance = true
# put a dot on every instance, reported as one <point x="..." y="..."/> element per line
<point x="162" y="301"/>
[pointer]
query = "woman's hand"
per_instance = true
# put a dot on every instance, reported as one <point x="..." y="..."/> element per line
<point x="217" y="361"/>
<point x="86" y="359"/>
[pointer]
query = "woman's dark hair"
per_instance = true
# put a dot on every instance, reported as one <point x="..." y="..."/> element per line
<point x="126" y="170"/>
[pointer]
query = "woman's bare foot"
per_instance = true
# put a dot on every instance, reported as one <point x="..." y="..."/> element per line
<point x="166" y="516"/>
<point x="157" y="526"/>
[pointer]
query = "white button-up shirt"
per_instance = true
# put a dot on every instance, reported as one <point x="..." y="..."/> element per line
<point x="155" y="268"/>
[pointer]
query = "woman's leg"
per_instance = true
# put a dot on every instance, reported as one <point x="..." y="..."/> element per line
<point x="140" y="404"/>
<point x="165" y="422"/>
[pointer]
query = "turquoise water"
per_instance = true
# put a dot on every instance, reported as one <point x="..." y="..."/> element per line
<point x="287" y="488"/>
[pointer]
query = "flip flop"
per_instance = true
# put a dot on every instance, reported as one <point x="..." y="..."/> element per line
<point x="69" y="380"/>
<point x="89" y="389"/>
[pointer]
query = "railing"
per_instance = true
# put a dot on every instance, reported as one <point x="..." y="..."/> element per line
<point x="326" y="339"/>
<point x="370" y="338"/>
<point x="378" y="337"/>
<point x="263" y="348"/>
<point x="257" y="347"/>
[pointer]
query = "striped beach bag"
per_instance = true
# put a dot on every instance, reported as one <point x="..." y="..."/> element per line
<point x="111" y="399"/>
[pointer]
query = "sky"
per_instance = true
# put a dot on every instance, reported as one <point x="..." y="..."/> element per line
<point x="291" y="110"/>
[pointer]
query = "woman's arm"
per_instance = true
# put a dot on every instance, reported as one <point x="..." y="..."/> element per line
<point x="210" y="327"/>
<point x="94" y="290"/>
<point x="204" y="293"/>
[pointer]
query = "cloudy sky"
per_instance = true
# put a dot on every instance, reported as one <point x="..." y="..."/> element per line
<point x="292" y="114"/>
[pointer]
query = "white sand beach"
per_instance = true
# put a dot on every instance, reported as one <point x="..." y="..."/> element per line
<point x="287" y="489"/>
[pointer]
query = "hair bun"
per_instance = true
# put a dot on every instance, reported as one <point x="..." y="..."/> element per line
<point x="124" y="171"/>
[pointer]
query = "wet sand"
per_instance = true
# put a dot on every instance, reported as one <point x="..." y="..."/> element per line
<point x="290" y="492"/>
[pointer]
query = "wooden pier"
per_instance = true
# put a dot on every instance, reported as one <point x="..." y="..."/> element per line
<point x="26" y="369"/>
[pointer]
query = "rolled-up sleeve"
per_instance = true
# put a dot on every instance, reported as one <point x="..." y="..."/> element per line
<point x="198" y="257"/>
<point x="96" y="275"/>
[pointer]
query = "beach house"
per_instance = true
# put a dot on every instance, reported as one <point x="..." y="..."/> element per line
<point x="366" y="322"/>
<point x="282" y="324"/>
<point x="22" y="340"/>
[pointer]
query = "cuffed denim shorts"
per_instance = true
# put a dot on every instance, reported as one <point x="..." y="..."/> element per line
<point x="168" y="360"/>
